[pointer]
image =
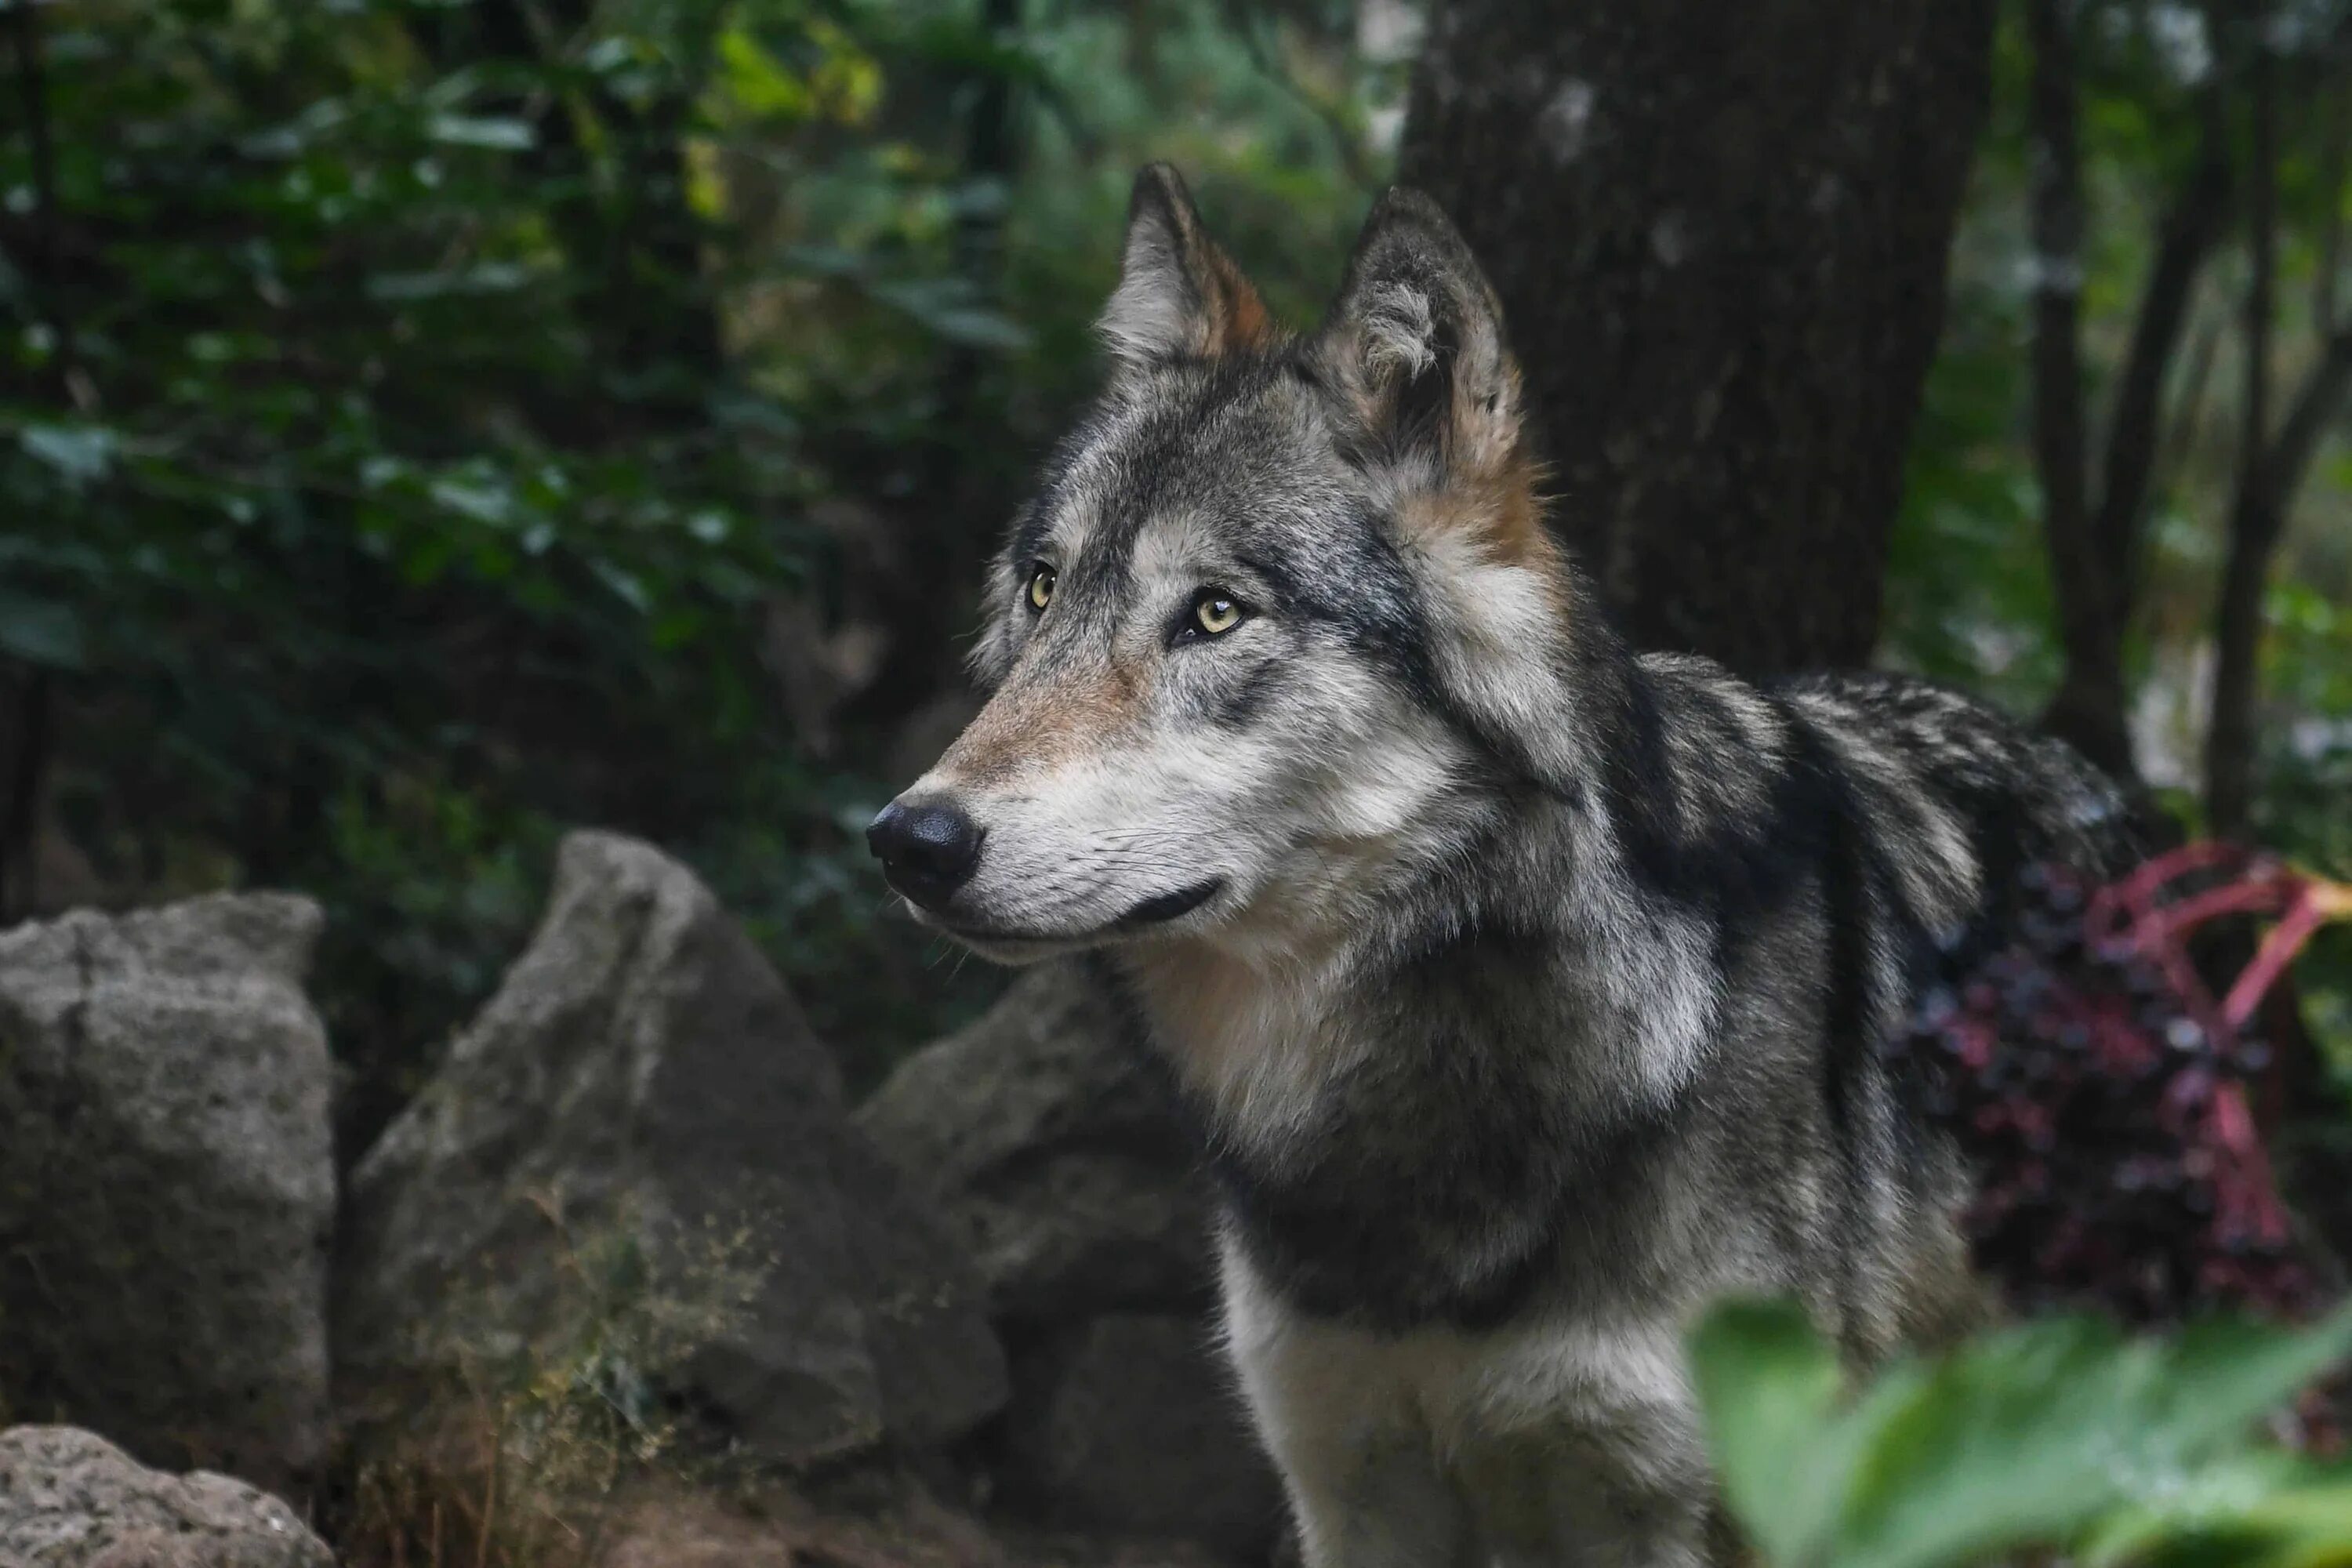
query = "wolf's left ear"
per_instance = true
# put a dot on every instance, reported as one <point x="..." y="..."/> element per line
<point x="1414" y="343"/>
<point x="1178" y="295"/>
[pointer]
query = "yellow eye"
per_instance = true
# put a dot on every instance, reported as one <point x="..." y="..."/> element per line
<point x="1215" y="614"/>
<point x="1041" y="587"/>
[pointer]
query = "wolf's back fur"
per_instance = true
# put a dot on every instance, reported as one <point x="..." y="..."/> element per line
<point x="1528" y="992"/>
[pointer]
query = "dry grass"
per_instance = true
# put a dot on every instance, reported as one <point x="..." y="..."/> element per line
<point x="562" y="1453"/>
<point x="519" y="1456"/>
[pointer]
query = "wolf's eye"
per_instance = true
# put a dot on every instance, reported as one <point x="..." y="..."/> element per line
<point x="1041" y="586"/>
<point x="1214" y="614"/>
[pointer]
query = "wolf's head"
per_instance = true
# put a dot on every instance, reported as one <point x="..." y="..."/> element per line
<point x="1279" y="621"/>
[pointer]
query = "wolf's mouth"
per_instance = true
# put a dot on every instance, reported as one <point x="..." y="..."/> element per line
<point x="1157" y="910"/>
<point x="1163" y="906"/>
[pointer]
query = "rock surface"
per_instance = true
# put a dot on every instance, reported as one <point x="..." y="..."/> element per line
<point x="68" y="1498"/>
<point x="1134" y="1425"/>
<point x="640" y="1123"/>
<point x="167" y="1181"/>
<point x="1047" y="1136"/>
<point x="1050" y="1142"/>
<point x="894" y="1521"/>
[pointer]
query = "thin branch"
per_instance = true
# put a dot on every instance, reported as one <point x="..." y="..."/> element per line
<point x="2100" y="596"/>
<point x="2057" y="226"/>
<point x="20" y="821"/>
<point x="2188" y="404"/>
<point x="1251" y="27"/>
<point x="2257" y="512"/>
<point x="2335" y="140"/>
<point x="2089" y="706"/>
<point x="2308" y="418"/>
<point x="2186" y="236"/>
<point x="2262" y="245"/>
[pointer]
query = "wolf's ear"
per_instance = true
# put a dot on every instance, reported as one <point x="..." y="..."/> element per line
<point x="1415" y="345"/>
<point x="1179" y="296"/>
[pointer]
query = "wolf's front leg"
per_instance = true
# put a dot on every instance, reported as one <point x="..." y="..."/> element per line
<point x="1580" y="1446"/>
<point x="1376" y="1504"/>
<point x="1362" y="1478"/>
<point x="1615" y="1498"/>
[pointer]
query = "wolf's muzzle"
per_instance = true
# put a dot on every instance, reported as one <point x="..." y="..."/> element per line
<point x="928" y="849"/>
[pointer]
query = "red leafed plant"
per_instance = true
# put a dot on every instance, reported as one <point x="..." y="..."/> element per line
<point x="2105" y="1096"/>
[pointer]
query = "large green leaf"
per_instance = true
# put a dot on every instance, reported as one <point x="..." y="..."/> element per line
<point x="2037" y="1434"/>
<point x="1770" y="1388"/>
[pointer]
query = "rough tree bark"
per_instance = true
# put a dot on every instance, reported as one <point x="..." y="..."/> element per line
<point x="1719" y="232"/>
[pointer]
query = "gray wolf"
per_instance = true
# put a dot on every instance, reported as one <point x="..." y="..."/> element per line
<point x="1525" y="989"/>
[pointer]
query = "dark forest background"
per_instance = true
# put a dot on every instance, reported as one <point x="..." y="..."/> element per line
<point x="429" y="424"/>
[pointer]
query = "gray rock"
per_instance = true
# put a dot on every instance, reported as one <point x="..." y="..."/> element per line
<point x="167" y="1181"/>
<point x="1051" y="1145"/>
<point x="640" y="1128"/>
<point x="1132" y="1424"/>
<point x="68" y="1498"/>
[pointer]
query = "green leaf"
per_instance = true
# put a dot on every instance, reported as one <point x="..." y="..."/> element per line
<point x="945" y="306"/>
<point x="40" y="632"/>
<point x="2022" y="1437"/>
<point x="1768" y="1386"/>
<point x="757" y="81"/>
<point x="501" y="132"/>
<point x="2227" y="1374"/>
<point x="2046" y="1434"/>
<point x="2272" y="1510"/>
<point x="483" y="498"/>
<point x="82" y="454"/>
<point x="482" y="278"/>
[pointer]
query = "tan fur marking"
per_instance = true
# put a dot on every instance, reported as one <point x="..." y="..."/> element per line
<point x="1238" y="321"/>
<point x="1498" y="509"/>
<point x="1033" y="725"/>
<point x="1245" y="1037"/>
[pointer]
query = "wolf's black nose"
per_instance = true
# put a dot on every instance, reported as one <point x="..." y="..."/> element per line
<point x="926" y="851"/>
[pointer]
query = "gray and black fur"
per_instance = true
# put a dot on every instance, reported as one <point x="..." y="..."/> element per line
<point x="1527" y="991"/>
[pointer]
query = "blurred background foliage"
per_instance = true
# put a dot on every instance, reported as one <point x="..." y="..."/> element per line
<point x="425" y="424"/>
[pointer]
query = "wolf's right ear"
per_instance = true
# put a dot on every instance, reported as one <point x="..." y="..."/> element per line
<point x="1414" y="344"/>
<point x="1178" y="295"/>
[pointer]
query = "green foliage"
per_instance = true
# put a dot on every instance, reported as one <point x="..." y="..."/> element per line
<point x="1969" y="594"/>
<point x="428" y="423"/>
<point x="2062" y="1434"/>
<point x="342" y="469"/>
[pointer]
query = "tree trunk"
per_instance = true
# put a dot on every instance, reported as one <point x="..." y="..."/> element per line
<point x="1719" y="234"/>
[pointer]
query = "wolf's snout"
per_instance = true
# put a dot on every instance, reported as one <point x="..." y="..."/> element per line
<point x="928" y="849"/>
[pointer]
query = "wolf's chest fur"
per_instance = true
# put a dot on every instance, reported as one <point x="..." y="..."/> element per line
<point x="1413" y="1144"/>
